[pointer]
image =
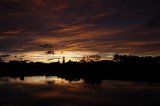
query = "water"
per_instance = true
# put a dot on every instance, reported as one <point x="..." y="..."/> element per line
<point x="55" y="91"/>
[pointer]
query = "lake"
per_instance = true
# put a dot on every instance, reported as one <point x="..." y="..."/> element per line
<point x="55" y="91"/>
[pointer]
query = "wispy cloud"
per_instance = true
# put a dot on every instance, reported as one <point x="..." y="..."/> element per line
<point x="106" y="26"/>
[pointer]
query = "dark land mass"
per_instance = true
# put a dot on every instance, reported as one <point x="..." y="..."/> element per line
<point x="132" y="68"/>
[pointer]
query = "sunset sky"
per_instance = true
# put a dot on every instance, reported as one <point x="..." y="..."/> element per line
<point x="76" y="28"/>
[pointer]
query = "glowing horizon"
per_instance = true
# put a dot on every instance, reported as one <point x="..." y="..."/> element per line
<point x="48" y="58"/>
<point x="78" y="28"/>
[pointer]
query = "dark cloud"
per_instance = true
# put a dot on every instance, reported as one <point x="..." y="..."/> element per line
<point x="106" y="26"/>
<point x="154" y="22"/>
<point x="47" y="46"/>
<point x="6" y="55"/>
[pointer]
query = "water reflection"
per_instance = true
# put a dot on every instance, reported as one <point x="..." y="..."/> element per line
<point x="86" y="83"/>
<point x="55" y="91"/>
<point x="50" y="80"/>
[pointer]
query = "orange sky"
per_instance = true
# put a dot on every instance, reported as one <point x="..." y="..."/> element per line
<point x="30" y="28"/>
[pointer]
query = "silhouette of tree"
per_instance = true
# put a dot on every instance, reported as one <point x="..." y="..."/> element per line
<point x="90" y="58"/>
<point x="135" y="59"/>
<point x="93" y="58"/>
<point x="70" y="61"/>
<point x="83" y="60"/>
<point x="116" y="57"/>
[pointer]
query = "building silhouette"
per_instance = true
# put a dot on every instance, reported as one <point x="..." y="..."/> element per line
<point x="58" y="60"/>
<point x="63" y="62"/>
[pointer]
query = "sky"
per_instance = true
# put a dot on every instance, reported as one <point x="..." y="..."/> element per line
<point x="31" y="29"/>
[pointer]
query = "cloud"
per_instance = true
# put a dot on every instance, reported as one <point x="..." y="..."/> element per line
<point x="106" y="26"/>
<point x="154" y="22"/>
<point x="5" y="55"/>
<point x="47" y="46"/>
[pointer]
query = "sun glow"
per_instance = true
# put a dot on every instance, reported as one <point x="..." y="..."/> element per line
<point x="57" y="56"/>
<point x="42" y="56"/>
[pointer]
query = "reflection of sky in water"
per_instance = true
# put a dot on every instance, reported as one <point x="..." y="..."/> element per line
<point x="53" y="91"/>
<point x="38" y="80"/>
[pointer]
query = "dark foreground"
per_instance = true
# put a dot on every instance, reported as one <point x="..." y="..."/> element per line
<point x="53" y="91"/>
<point x="104" y="83"/>
<point x="93" y="71"/>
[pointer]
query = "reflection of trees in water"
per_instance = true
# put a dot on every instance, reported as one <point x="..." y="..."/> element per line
<point x="4" y="79"/>
<point x="70" y="76"/>
<point x="89" y="82"/>
<point x="92" y="83"/>
<point x="22" y="78"/>
<point x="122" y="67"/>
<point x="50" y="83"/>
<point x="92" y="86"/>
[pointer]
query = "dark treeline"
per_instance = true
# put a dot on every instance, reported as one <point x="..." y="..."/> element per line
<point x="136" y="59"/>
<point x="122" y="67"/>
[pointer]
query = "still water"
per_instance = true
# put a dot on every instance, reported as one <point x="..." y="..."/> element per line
<point x="55" y="91"/>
